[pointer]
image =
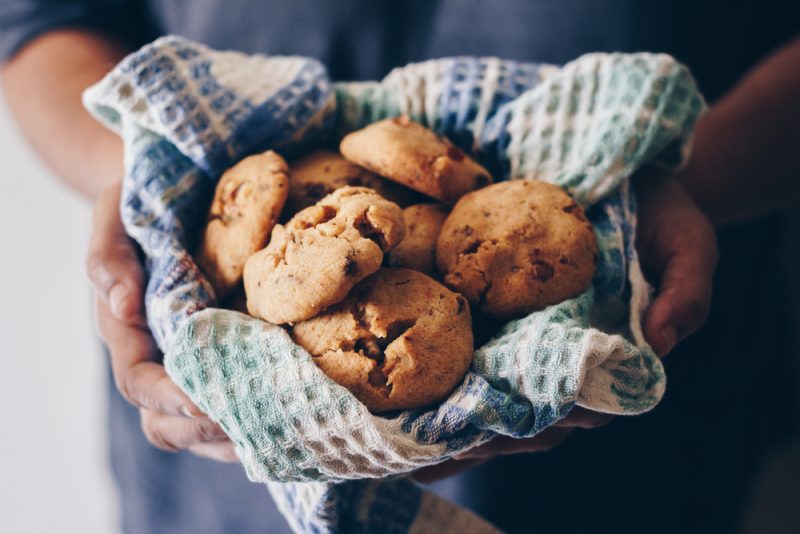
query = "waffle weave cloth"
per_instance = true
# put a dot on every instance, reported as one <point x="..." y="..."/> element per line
<point x="186" y="113"/>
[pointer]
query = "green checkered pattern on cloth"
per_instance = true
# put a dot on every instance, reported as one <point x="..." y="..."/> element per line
<point x="187" y="113"/>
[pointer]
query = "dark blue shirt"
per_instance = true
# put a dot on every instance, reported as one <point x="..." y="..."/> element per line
<point x="364" y="39"/>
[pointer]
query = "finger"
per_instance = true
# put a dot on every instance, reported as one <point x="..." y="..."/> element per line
<point x="582" y="418"/>
<point x="139" y="378"/>
<point x="684" y="297"/>
<point x="176" y="433"/>
<point x="428" y="475"/>
<point x="222" y="452"/>
<point x="112" y="263"/>
<point x="503" y="445"/>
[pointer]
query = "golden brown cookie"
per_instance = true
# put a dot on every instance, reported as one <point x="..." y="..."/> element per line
<point x="418" y="249"/>
<point x="320" y="254"/>
<point x="517" y="247"/>
<point x="408" y="153"/>
<point x="400" y="340"/>
<point x="247" y="202"/>
<point x="323" y="172"/>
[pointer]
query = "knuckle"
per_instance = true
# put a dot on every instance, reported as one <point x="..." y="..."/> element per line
<point x="111" y="264"/>
<point x="164" y="397"/>
<point x="127" y="386"/>
<point x="154" y="434"/>
<point x="96" y="265"/>
<point x="206" y="431"/>
<point x="200" y="432"/>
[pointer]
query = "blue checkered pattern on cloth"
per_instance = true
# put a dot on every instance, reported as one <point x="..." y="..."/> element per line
<point x="186" y="113"/>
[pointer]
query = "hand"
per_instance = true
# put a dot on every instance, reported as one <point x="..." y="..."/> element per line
<point x="169" y="419"/>
<point x="548" y="439"/>
<point x="678" y="251"/>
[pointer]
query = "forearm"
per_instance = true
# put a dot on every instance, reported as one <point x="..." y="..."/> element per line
<point x="43" y="85"/>
<point x="745" y="159"/>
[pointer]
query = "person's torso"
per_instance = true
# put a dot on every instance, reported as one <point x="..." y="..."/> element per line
<point x="364" y="39"/>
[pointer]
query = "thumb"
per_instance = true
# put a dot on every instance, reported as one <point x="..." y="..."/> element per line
<point x="112" y="263"/>
<point x="684" y="296"/>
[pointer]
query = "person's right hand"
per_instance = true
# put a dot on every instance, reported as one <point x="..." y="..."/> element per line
<point x="170" y="421"/>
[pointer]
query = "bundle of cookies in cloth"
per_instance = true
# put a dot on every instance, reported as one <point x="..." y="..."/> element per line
<point x="381" y="295"/>
<point x="422" y="263"/>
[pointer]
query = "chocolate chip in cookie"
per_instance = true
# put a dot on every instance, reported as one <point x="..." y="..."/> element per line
<point x="400" y="340"/>
<point x="314" y="260"/>
<point x="516" y="247"/>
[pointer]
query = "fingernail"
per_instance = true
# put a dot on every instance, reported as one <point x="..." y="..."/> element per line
<point x="116" y="297"/>
<point x="185" y="410"/>
<point x="669" y="337"/>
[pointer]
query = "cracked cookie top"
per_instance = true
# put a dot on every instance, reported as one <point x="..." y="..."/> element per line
<point x="400" y="340"/>
<point x="315" y="259"/>
<point x="247" y="202"/>
<point x="408" y="153"/>
<point x="516" y="247"/>
<point x="321" y="173"/>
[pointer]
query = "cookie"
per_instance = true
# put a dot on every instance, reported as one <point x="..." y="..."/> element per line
<point x="400" y="340"/>
<point x="246" y="205"/>
<point x="408" y="153"/>
<point x="418" y="250"/>
<point x="320" y="254"/>
<point x="321" y="173"/>
<point x="517" y="247"/>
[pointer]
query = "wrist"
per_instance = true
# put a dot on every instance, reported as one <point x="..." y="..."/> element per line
<point x="103" y="165"/>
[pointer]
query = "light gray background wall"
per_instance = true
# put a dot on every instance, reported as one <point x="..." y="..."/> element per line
<point x="53" y="475"/>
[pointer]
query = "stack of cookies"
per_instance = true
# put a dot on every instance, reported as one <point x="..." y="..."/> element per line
<point x="380" y="295"/>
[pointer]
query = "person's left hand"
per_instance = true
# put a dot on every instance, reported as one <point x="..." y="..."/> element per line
<point x="678" y="250"/>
